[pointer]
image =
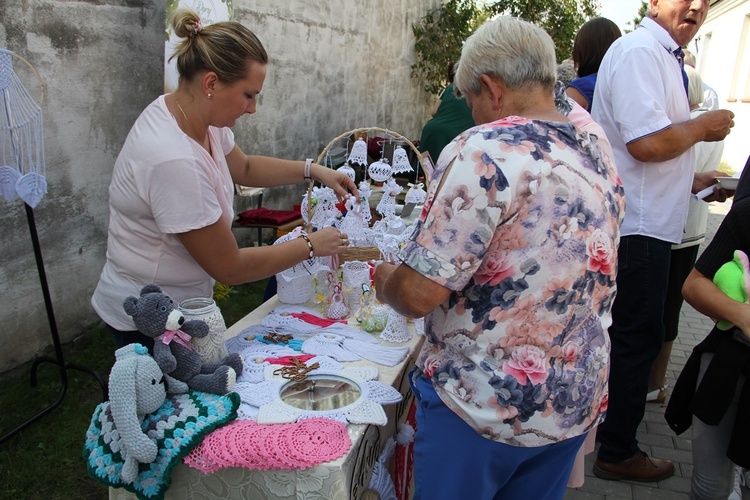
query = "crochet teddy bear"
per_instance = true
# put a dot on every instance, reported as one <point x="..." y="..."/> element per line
<point x="155" y="315"/>
<point x="733" y="279"/>
<point x="136" y="388"/>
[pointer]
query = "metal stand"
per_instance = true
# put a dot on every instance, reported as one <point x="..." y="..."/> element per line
<point x="59" y="359"/>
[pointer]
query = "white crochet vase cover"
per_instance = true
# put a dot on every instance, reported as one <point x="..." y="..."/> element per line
<point x="401" y="161"/>
<point x="380" y="171"/>
<point x="336" y="303"/>
<point x="356" y="281"/>
<point x="366" y="409"/>
<point x="211" y="348"/>
<point x="396" y="329"/>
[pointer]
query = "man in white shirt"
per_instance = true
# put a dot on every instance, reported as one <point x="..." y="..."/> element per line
<point x="641" y="102"/>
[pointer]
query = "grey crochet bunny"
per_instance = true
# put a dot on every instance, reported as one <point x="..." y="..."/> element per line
<point x="155" y="315"/>
<point x="136" y="388"/>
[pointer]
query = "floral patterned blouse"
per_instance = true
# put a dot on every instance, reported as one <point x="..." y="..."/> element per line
<point x="525" y="232"/>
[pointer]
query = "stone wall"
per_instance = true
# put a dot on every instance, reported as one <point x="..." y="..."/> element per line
<point x="335" y="66"/>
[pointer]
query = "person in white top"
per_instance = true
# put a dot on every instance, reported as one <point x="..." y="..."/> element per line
<point x="710" y="97"/>
<point x="684" y="254"/>
<point x="173" y="182"/>
<point x="641" y="103"/>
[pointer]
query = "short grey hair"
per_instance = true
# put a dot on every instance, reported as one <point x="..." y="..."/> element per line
<point x="695" y="85"/>
<point x="510" y="49"/>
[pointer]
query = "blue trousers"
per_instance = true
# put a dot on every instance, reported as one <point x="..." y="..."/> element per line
<point x="451" y="460"/>
<point x="637" y="333"/>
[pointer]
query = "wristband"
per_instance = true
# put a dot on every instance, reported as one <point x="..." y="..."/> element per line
<point x="308" y="163"/>
<point x="309" y="245"/>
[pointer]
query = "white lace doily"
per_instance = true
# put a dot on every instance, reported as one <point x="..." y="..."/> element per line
<point x="366" y="409"/>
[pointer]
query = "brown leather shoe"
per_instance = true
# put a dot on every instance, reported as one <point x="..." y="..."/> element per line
<point x="640" y="467"/>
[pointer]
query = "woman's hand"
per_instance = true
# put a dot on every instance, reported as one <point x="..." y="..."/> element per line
<point x="341" y="183"/>
<point x="328" y="241"/>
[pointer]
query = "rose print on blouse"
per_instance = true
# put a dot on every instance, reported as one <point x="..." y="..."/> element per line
<point x="527" y="363"/>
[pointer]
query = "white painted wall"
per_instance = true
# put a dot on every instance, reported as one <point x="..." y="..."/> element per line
<point x="335" y="65"/>
<point x="722" y="49"/>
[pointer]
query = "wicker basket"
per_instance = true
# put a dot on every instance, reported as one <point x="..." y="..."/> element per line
<point x="369" y="252"/>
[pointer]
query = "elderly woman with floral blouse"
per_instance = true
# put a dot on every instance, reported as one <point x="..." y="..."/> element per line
<point x="513" y="263"/>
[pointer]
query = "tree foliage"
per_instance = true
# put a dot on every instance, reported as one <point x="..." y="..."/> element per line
<point x="642" y="12"/>
<point x="439" y="37"/>
<point x="441" y="33"/>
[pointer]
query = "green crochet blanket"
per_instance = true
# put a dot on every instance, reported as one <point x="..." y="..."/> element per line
<point x="177" y="427"/>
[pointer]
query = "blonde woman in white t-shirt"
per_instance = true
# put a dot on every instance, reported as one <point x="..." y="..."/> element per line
<point x="172" y="185"/>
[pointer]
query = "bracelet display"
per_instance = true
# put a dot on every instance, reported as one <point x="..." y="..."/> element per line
<point x="309" y="245"/>
<point x="308" y="163"/>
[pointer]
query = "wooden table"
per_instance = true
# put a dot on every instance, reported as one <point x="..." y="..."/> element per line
<point x="342" y="479"/>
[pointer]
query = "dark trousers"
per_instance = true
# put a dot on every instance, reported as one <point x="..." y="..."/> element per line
<point x="123" y="338"/>
<point x="680" y="264"/>
<point x="637" y="333"/>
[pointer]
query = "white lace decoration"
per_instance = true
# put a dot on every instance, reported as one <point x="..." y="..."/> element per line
<point x="353" y="224"/>
<point x="336" y="303"/>
<point x="387" y="204"/>
<point x="343" y="349"/>
<point x="356" y="280"/>
<point x="416" y="194"/>
<point x="308" y="267"/>
<point x="365" y="191"/>
<point x="401" y="161"/>
<point x="324" y="207"/>
<point x="380" y="171"/>
<point x="330" y="345"/>
<point x="366" y="409"/>
<point x="211" y="348"/>
<point x="358" y="154"/>
<point x="396" y="330"/>
<point x="381" y="480"/>
<point x="348" y="170"/>
<point x="22" y="170"/>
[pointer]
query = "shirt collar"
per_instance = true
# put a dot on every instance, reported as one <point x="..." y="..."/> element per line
<point x="662" y="36"/>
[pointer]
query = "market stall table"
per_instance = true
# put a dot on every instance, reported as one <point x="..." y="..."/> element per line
<point x="344" y="478"/>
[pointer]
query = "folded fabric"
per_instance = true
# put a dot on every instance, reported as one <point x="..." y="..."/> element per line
<point x="176" y="428"/>
<point x="243" y="443"/>
<point x="265" y="216"/>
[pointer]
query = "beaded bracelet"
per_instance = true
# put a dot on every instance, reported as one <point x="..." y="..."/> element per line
<point x="309" y="245"/>
<point x="308" y="163"/>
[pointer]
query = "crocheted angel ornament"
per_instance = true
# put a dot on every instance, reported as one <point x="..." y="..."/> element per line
<point x="353" y="224"/>
<point x="365" y="191"/>
<point x="136" y="388"/>
<point x="387" y="204"/>
<point x="733" y="279"/>
<point x="155" y="315"/>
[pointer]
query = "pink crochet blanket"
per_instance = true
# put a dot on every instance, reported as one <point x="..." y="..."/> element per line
<point x="244" y="443"/>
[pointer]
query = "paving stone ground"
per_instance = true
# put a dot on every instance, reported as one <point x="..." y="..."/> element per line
<point x="654" y="436"/>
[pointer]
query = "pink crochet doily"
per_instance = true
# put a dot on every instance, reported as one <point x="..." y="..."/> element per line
<point x="244" y="443"/>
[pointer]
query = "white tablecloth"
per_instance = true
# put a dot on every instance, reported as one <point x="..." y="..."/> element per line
<point x="342" y="479"/>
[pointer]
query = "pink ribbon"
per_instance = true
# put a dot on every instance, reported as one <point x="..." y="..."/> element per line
<point x="178" y="336"/>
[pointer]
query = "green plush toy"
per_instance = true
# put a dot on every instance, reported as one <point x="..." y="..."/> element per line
<point x="732" y="279"/>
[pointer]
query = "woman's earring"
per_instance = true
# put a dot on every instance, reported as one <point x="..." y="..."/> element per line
<point x="209" y="95"/>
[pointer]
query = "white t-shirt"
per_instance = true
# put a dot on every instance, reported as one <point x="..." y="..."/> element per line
<point x="639" y="92"/>
<point x="163" y="183"/>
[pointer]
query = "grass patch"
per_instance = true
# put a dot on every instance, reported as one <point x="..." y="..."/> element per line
<point x="44" y="460"/>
